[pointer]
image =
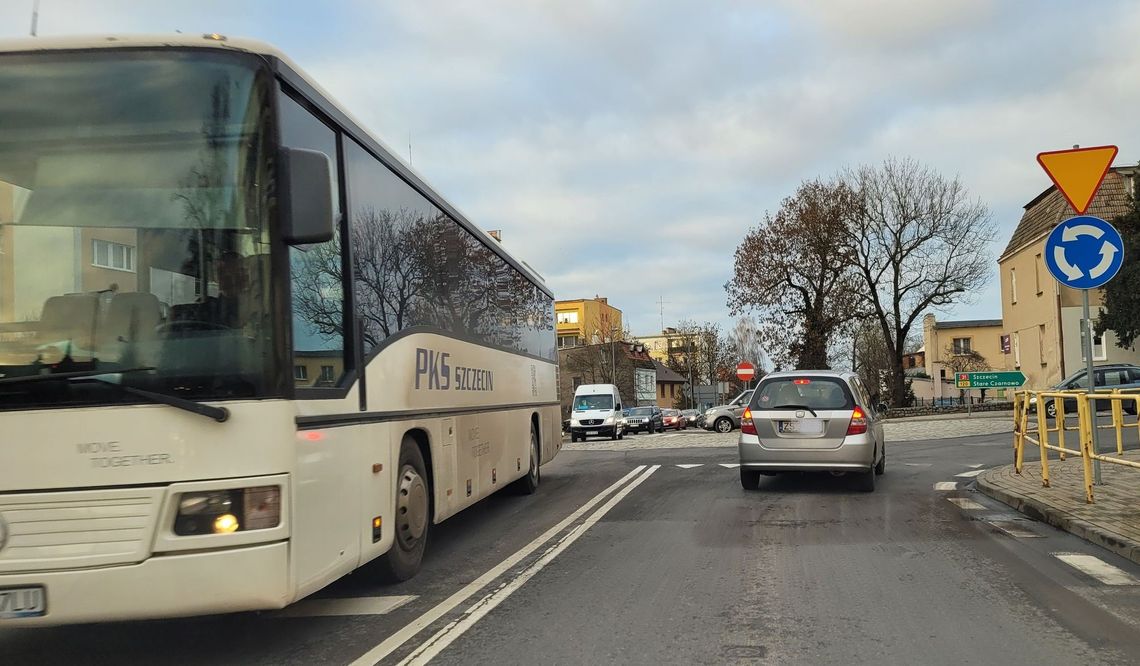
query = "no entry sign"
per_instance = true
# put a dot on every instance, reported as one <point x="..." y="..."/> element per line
<point x="745" y="371"/>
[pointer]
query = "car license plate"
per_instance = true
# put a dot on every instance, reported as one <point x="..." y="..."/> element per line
<point x="18" y="602"/>
<point x="805" y="427"/>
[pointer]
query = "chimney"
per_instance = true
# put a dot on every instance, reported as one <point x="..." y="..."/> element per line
<point x="497" y="234"/>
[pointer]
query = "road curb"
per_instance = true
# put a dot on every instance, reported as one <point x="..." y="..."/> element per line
<point x="1038" y="510"/>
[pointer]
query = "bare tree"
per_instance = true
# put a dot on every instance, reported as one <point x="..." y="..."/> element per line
<point x="921" y="243"/>
<point x="964" y="361"/>
<point x="794" y="269"/>
<point x="744" y="343"/>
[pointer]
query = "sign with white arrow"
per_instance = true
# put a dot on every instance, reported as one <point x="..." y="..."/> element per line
<point x="1084" y="252"/>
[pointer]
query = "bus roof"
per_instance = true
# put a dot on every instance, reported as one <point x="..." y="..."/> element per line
<point x="349" y="123"/>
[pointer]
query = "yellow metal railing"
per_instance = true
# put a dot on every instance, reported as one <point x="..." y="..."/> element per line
<point x="1037" y="431"/>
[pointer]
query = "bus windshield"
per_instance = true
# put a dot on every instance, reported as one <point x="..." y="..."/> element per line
<point x="133" y="226"/>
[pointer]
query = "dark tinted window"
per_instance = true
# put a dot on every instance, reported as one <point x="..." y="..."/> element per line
<point x="416" y="266"/>
<point x="317" y="270"/>
<point x="801" y="392"/>
<point x="584" y="402"/>
<point x="641" y="411"/>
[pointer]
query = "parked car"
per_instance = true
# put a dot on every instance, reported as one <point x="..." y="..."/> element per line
<point x="672" y="418"/>
<point x="726" y="418"/>
<point x="645" y="419"/>
<point x="693" y="417"/>
<point x="1108" y="377"/>
<point x="811" y="421"/>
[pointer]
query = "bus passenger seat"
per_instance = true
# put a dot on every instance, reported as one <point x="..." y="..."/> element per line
<point x="69" y="318"/>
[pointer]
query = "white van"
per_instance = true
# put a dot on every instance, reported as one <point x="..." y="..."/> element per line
<point x="596" y="411"/>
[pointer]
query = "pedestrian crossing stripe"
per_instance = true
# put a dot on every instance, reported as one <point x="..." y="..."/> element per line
<point x="730" y="465"/>
<point x="690" y="465"/>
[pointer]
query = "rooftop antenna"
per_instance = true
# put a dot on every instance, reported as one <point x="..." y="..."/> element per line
<point x="35" y="15"/>
<point x="661" y="305"/>
<point x="409" y="147"/>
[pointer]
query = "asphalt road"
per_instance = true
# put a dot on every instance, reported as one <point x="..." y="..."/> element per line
<point x="658" y="556"/>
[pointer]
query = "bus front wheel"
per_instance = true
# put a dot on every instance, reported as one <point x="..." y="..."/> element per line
<point x="413" y="515"/>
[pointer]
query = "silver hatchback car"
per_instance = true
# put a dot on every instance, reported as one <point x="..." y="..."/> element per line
<point x="811" y="421"/>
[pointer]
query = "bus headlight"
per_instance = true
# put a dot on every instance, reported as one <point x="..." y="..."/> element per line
<point x="227" y="511"/>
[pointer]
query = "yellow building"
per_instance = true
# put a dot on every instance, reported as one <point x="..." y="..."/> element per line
<point x="669" y="343"/>
<point x="585" y="321"/>
<point x="1043" y="319"/>
<point x="942" y="340"/>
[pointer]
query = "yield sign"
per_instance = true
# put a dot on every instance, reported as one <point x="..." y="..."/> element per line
<point x="1078" y="172"/>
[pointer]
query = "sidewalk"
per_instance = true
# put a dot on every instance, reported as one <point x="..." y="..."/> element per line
<point x="943" y="426"/>
<point x="1112" y="522"/>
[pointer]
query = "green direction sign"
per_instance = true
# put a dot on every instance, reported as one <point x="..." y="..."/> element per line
<point x="988" y="380"/>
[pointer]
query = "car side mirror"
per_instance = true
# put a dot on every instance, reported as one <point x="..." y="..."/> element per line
<point x="304" y="195"/>
<point x="618" y="407"/>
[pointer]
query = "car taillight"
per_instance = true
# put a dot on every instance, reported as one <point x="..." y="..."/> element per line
<point x="858" y="424"/>
<point x="747" y="427"/>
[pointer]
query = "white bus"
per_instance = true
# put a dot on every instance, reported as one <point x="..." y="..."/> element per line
<point x="244" y="349"/>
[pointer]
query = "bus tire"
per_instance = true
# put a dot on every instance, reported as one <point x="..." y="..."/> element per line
<point x="412" y="519"/>
<point x="528" y="485"/>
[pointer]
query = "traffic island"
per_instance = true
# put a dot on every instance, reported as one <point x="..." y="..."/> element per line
<point x="1112" y="522"/>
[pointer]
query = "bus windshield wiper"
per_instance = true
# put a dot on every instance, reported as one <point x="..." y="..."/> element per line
<point x="219" y="414"/>
<point x="796" y="407"/>
<point x="79" y="374"/>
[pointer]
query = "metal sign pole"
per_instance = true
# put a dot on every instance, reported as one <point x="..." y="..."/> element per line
<point x="1088" y="345"/>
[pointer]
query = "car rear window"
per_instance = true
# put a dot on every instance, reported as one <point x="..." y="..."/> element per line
<point x="803" y="392"/>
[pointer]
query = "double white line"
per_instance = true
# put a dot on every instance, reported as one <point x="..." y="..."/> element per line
<point x="453" y="630"/>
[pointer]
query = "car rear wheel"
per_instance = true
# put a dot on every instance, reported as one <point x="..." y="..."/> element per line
<point x="749" y="479"/>
<point x="723" y="424"/>
<point x="881" y="467"/>
<point x="865" y="481"/>
<point x="1051" y="409"/>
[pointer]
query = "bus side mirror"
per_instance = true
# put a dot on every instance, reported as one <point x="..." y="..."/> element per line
<point x="304" y="195"/>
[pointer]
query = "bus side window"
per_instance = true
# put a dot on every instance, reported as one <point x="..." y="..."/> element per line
<point x="316" y="270"/>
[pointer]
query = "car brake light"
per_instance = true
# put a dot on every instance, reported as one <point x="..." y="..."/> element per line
<point x="801" y="381"/>
<point x="747" y="427"/>
<point x="858" y="424"/>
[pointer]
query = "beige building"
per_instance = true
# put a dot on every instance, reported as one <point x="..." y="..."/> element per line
<point x="1043" y="319"/>
<point x="942" y="340"/>
<point x="669" y="343"/>
<point x="586" y="321"/>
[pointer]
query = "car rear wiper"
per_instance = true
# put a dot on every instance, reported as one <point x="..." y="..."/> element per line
<point x="796" y="407"/>
<point x="219" y="414"/>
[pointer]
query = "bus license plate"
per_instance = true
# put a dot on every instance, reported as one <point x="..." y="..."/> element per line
<point x="18" y="602"/>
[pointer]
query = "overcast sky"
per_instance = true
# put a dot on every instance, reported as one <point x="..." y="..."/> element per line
<point x="625" y="147"/>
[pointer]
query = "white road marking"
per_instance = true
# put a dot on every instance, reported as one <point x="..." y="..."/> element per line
<point x="449" y="634"/>
<point x="946" y="485"/>
<point x="417" y="625"/>
<point x="973" y="466"/>
<point x="971" y="473"/>
<point x="965" y="503"/>
<point x="1097" y="568"/>
<point x="730" y="465"/>
<point x="350" y="606"/>
<point x="918" y="464"/>
<point x="1011" y="528"/>
<point x="690" y="465"/>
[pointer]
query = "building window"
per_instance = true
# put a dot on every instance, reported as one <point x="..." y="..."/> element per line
<point x="300" y="372"/>
<point x="568" y="341"/>
<point x="577" y="382"/>
<point x="1100" y="350"/>
<point x="117" y="256"/>
<point x="1041" y="343"/>
<point x="1037" y="274"/>
<point x="567" y="317"/>
<point x="961" y="346"/>
<point x="328" y="373"/>
<point x="1012" y="286"/>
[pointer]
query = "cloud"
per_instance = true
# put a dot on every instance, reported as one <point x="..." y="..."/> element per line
<point x="625" y="148"/>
